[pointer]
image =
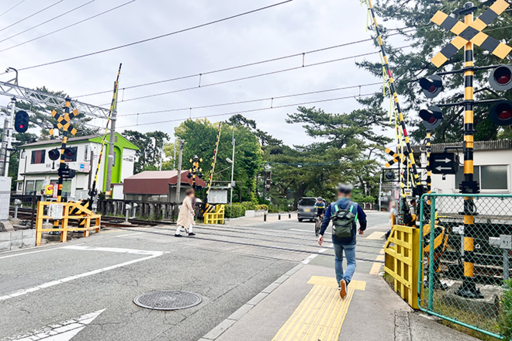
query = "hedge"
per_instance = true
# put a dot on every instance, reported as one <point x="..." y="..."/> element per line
<point x="235" y="211"/>
<point x="261" y="207"/>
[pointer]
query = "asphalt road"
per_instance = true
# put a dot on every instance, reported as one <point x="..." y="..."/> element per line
<point x="84" y="289"/>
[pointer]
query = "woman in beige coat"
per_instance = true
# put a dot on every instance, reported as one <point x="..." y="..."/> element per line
<point x="186" y="216"/>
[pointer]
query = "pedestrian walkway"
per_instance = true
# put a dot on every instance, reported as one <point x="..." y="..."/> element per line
<point x="304" y="304"/>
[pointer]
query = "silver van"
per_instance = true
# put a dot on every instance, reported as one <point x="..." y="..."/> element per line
<point x="306" y="209"/>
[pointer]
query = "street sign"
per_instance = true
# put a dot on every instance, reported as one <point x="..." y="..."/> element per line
<point x="444" y="163"/>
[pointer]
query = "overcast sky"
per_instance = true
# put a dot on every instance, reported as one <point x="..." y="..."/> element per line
<point x="295" y="27"/>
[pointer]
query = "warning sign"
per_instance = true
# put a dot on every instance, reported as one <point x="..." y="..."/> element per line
<point x="48" y="190"/>
<point x="55" y="211"/>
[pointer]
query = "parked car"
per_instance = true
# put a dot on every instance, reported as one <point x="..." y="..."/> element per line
<point x="306" y="209"/>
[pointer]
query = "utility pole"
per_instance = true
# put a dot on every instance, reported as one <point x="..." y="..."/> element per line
<point x="161" y="156"/>
<point x="7" y="139"/>
<point x="380" y="192"/>
<point x="174" y="158"/>
<point x="110" y="160"/>
<point x="232" y="168"/>
<point x="178" y="180"/>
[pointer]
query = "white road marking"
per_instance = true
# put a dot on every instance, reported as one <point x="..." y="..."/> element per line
<point x="86" y="274"/>
<point x="111" y="249"/>
<point x="28" y="253"/>
<point x="63" y="331"/>
<point x="306" y="231"/>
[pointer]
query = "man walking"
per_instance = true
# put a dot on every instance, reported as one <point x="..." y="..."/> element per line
<point x="344" y="214"/>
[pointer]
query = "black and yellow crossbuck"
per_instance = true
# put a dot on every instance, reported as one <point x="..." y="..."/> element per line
<point x="64" y="122"/>
<point x="470" y="33"/>
<point x="396" y="157"/>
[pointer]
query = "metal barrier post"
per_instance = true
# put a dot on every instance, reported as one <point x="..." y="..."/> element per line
<point x="279" y="216"/>
<point x="265" y="216"/>
<point x="431" y="253"/>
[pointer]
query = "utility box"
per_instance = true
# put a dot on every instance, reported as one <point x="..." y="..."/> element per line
<point x="5" y="197"/>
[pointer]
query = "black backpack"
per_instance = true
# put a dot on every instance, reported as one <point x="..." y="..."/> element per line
<point x="343" y="220"/>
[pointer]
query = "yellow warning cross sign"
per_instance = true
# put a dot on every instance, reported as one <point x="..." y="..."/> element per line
<point x="64" y="121"/>
<point x="470" y="33"/>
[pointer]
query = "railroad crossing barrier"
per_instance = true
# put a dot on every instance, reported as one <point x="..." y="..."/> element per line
<point x="214" y="214"/>
<point x="401" y="261"/>
<point x="463" y="274"/>
<point x="64" y="212"/>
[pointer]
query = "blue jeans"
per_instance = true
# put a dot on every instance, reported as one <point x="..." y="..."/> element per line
<point x="350" y="253"/>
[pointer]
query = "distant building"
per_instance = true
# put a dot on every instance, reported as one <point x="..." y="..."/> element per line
<point x="492" y="167"/>
<point x="36" y="170"/>
<point x="158" y="186"/>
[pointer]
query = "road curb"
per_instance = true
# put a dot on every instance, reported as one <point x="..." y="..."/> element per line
<point x="216" y="332"/>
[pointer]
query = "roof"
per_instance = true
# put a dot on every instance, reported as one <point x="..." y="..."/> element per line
<point x="478" y="146"/>
<point x="96" y="138"/>
<point x="156" y="182"/>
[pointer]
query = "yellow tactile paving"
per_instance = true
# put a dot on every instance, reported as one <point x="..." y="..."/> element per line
<point x="321" y="314"/>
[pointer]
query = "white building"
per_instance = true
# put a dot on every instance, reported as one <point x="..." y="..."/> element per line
<point x="492" y="167"/>
<point x="36" y="170"/>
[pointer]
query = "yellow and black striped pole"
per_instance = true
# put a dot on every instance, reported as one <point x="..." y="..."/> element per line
<point x="468" y="288"/>
<point x="408" y="151"/>
<point x="429" y="170"/>
<point x="214" y="160"/>
<point x="92" y="190"/>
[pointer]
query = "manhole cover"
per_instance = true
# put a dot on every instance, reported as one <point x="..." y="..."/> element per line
<point x="167" y="300"/>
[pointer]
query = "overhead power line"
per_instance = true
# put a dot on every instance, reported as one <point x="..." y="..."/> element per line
<point x="47" y="21"/>
<point x="30" y="16"/>
<point x="13" y="7"/>
<point x="231" y="67"/>
<point x="251" y="110"/>
<point x="156" y="37"/>
<point x="66" y="27"/>
<point x="253" y="100"/>
<point x="250" y="77"/>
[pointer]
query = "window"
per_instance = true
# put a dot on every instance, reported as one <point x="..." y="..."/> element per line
<point x="30" y="187"/>
<point x="38" y="156"/>
<point x="20" y="186"/>
<point x="86" y="157"/>
<point x="489" y="177"/>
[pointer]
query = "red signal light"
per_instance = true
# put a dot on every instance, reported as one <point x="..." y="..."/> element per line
<point x="500" y="78"/>
<point x="501" y="113"/>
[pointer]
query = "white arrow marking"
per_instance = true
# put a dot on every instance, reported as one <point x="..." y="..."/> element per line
<point x="439" y="168"/>
<point x="446" y="160"/>
<point x="63" y="331"/>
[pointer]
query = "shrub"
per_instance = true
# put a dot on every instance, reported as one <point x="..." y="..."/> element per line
<point x="261" y="207"/>
<point x="235" y="211"/>
<point x="505" y="321"/>
<point x="249" y="205"/>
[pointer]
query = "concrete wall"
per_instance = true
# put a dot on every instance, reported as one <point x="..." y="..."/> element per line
<point x="5" y="195"/>
<point x="17" y="240"/>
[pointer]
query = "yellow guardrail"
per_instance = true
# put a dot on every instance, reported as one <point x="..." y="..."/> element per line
<point x="66" y="211"/>
<point x="214" y="217"/>
<point x="401" y="261"/>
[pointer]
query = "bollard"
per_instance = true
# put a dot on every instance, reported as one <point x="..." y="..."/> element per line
<point x="279" y="216"/>
<point x="289" y="215"/>
<point x="17" y="203"/>
<point x="127" y="208"/>
<point x="265" y="216"/>
<point x="134" y="211"/>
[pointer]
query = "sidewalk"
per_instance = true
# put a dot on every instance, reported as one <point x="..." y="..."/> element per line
<point x="304" y="304"/>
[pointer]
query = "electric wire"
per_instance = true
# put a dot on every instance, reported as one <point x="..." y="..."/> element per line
<point x="13" y="7"/>
<point x="156" y="37"/>
<point x="231" y="67"/>
<point x="253" y="100"/>
<point x="30" y="16"/>
<point x="252" y="110"/>
<point x="66" y="27"/>
<point x="250" y="77"/>
<point x="47" y="21"/>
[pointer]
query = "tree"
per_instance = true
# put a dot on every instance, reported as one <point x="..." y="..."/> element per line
<point x="200" y="136"/>
<point x="149" y="144"/>
<point x="426" y="39"/>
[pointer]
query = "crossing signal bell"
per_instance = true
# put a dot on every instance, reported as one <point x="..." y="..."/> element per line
<point x="432" y="86"/>
<point x="21" y="121"/>
<point x="432" y="117"/>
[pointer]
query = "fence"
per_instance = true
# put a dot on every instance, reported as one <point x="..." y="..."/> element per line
<point x="145" y="209"/>
<point x="64" y="212"/>
<point x="466" y="253"/>
<point x="214" y="214"/>
<point x="401" y="261"/>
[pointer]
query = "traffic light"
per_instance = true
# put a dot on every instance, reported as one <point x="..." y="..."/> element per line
<point x="431" y="85"/>
<point x="432" y="117"/>
<point x="54" y="154"/>
<point x="70" y="154"/>
<point x="501" y="113"/>
<point x="501" y="78"/>
<point x="21" y="121"/>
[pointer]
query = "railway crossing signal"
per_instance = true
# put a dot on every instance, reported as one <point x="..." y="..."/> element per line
<point x="65" y="172"/>
<point x="470" y="33"/>
<point x="500" y="78"/>
<point x="501" y="113"/>
<point x="389" y="176"/>
<point x="54" y="154"/>
<point x="432" y="117"/>
<point x="21" y="121"/>
<point x="195" y="171"/>
<point x="431" y="85"/>
<point x="444" y="163"/>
